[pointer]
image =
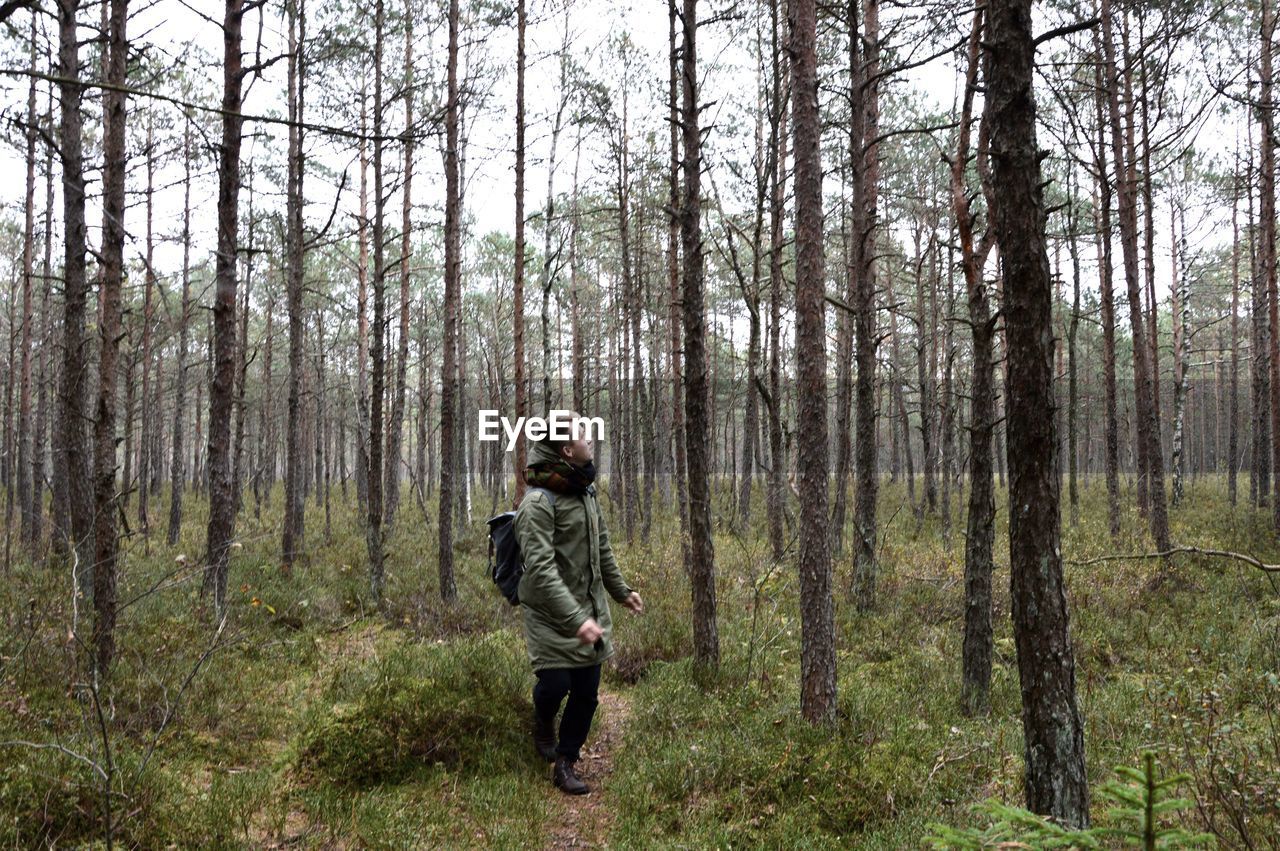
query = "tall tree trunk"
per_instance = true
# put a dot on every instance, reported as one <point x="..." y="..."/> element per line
<point x="294" y="530"/>
<point x="1260" y="480"/>
<point x="177" y="466"/>
<point x="452" y="272"/>
<point x="706" y="640"/>
<point x="1181" y="291"/>
<point x="242" y="361"/>
<point x="1150" y="463"/>
<point x="260" y="467"/>
<point x="222" y="509"/>
<point x="377" y="348"/>
<point x="46" y="347"/>
<point x="517" y="296"/>
<point x="980" y="537"/>
<point x="673" y="282"/>
<point x="776" y="502"/>
<point x="28" y="506"/>
<point x="1233" y="438"/>
<point x="106" y="546"/>
<point x="817" y="608"/>
<point x="395" y="425"/>
<point x="75" y="532"/>
<point x="630" y="357"/>
<point x="751" y="417"/>
<point x="1053" y="731"/>
<point x="853" y="273"/>
<point x="865" y="201"/>
<point x="1267" y="247"/>
<point x="362" y="318"/>
<point x="1111" y="427"/>
<point x="1073" y="329"/>
<point x="148" y="321"/>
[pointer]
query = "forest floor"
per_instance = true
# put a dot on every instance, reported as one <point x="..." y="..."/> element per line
<point x="314" y="720"/>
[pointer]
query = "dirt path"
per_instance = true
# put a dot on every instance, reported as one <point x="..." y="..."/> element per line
<point x="586" y="821"/>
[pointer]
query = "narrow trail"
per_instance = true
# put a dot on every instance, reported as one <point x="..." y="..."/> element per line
<point x="586" y="821"/>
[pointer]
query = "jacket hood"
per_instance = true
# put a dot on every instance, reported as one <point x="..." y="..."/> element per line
<point x="541" y="452"/>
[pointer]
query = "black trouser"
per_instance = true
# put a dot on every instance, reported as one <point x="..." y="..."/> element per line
<point x="582" y="685"/>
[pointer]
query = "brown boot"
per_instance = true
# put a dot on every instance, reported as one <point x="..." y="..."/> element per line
<point x="566" y="779"/>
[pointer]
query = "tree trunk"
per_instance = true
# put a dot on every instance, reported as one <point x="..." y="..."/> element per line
<point x="106" y="546"/>
<point x="817" y="609"/>
<point x="1111" y="427"/>
<point x="294" y="530"/>
<point x="1267" y="248"/>
<point x="975" y="693"/>
<point x="1233" y="410"/>
<point x="1073" y="328"/>
<point x="73" y="537"/>
<point x="517" y="296"/>
<point x="29" y="507"/>
<point x="222" y="509"/>
<point x="377" y="348"/>
<point x="177" y="466"/>
<point x="148" y="320"/>
<point x="1150" y="463"/>
<point x="864" y="201"/>
<point x="776" y="502"/>
<point x="674" y="226"/>
<point x="452" y="272"/>
<point x="395" y="426"/>
<point x="1053" y="731"/>
<point x="242" y="363"/>
<point x="706" y="640"/>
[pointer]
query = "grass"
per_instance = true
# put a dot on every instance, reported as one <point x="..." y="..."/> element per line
<point x="316" y="721"/>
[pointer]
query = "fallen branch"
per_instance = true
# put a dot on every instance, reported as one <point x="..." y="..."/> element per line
<point x="1247" y="559"/>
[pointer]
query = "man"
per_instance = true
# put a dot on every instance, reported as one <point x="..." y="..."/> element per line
<point x="568" y="569"/>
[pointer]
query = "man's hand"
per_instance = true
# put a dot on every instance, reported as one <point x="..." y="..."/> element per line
<point x="634" y="603"/>
<point x="590" y="631"/>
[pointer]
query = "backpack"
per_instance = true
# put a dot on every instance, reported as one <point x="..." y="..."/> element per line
<point x="505" y="564"/>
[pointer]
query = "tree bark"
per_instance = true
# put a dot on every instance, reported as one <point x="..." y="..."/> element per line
<point x="75" y="532"/>
<point x="776" y="495"/>
<point x="28" y="506"/>
<point x="293" y="533"/>
<point x="975" y="694"/>
<point x="865" y="201"/>
<point x="106" y="546"/>
<point x="377" y="348"/>
<point x="706" y="641"/>
<point x="148" y="322"/>
<point x="1106" y="297"/>
<point x="673" y="283"/>
<point x="452" y="271"/>
<point x="1267" y="247"/>
<point x="395" y="425"/>
<point x="1150" y="463"/>
<point x="817" y="609"/>
<point x="1053" y="731"/>
<point x="517" y="296"/>
<point x="222" y="509"/>
<point x="177" y="465"/>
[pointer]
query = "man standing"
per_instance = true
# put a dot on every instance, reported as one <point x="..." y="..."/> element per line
<point x="568" y="568"/>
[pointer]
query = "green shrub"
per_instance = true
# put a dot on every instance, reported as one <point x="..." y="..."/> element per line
<point x="418" y="704"/>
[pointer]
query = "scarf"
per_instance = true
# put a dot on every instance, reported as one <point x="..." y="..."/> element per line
<point x="561" y="476"/>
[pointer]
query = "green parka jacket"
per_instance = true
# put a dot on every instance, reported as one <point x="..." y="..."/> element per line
<point x="569" y="574"/>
